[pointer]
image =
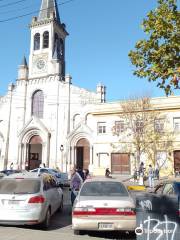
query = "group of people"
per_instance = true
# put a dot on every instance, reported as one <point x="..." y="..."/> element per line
<point x="151" y="173"/>
<point x="78" y="176"/>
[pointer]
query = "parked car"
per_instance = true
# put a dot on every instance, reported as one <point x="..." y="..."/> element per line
<point x="51" y="171"/>
<point x="103" y="204"/>
<point x="7" y="172"/>
<point x="29" y="199"/>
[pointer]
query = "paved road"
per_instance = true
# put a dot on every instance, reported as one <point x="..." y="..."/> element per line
<point x="60" y="229"/>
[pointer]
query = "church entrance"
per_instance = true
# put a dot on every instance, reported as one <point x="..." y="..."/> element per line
<point x="35" y="152"/>
<point x="83" y="154"/>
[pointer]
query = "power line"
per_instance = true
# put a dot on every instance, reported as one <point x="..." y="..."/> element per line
<point x="13" y="3"/>
<point x="17" y="10"/>
<point x="34" y="12"/>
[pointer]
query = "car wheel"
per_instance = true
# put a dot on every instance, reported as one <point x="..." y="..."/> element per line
<point x="45" y="224"/>
<point x="61" y="206"/>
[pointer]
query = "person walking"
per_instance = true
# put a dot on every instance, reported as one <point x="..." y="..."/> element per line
<point x="141" y="173"/>
<point x="156" y="172"/>
<point x="151" y="176"/>
<point x="75" y="184"/>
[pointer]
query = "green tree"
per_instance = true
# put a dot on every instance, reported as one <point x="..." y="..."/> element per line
<point x="157" y="58"/>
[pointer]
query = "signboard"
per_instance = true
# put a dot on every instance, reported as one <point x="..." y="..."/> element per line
<point x="157" y="217"/>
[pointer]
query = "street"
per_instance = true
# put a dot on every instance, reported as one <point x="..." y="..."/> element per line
<point x="60" y="229"/>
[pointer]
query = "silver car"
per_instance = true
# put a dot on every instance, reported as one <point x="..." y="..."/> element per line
<point x="103" y="205"/>
<point x="57" y="175"/>
<point x="28" y="199"/>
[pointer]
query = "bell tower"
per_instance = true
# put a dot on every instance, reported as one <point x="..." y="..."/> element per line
<point x="47" y="48"/>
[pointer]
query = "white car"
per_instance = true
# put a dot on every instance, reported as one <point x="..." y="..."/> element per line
<point x="28" y="199"/>
<point x="103" y="204"/>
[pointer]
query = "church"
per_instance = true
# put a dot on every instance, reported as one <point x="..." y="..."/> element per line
<point x="45" y="119"/>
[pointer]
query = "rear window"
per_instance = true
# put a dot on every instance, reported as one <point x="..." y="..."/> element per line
<point x="103" y="189"/>
<point x="19" y="186"/>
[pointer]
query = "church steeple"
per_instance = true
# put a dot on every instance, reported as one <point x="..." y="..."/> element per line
<point x="48" y="34"/>
<point x="48" y="9"/>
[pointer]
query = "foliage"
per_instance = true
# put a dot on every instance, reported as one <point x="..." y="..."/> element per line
<point x="158" y="57"/>
<point x="145" y="129"/>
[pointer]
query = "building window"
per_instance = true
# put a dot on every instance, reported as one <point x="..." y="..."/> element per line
<point x="101" y="127"/>
<point x="37" y="41"/>
<point x="139" y="126"/>
<point x="159" y="125"/>
<point x="119" y="127"/>
<point x="38" y="104"/>
<point x="46" y="39"/>
<point x="176" y="123"/>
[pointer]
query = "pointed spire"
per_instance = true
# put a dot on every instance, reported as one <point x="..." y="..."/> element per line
<point x="24" y="62"/>
<point x="48" y="9"/>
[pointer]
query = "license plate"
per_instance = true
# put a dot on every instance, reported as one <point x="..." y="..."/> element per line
<point x="13" y="202"/>
<point x="105" y="226"/>
<point x="10" y="202"/>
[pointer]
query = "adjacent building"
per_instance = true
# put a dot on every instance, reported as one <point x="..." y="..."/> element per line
<point x="44" y="118"/>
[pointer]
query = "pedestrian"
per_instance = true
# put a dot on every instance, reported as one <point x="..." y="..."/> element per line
<point x="141" y="173"/>
<point x="156" y="172"/>
<point x="11" y="166"/>
<point x="81" y="173"/>
<point x="75" y="184"/>
<point x="151" y="176"/>
<point x="135" y="175"/>
<point x="107" y="173"/>
<point x="86" y="174"/>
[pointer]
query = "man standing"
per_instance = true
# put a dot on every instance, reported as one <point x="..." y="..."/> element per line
<point x="151" y="176"/>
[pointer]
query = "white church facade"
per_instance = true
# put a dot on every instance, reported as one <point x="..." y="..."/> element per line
<point x="44" y="118"/>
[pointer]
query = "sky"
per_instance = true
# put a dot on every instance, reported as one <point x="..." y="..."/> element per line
<point x="101" y="34"/>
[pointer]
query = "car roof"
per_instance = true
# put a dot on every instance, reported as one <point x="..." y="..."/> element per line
<point x="103" y="179"/>
<point x="29" y="175"/>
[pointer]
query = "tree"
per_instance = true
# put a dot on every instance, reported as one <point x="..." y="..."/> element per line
<point x="158" y="57"/>
<point x="144" y="131"/>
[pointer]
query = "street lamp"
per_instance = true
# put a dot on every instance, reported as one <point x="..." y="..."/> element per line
<point x="61" y="149"/>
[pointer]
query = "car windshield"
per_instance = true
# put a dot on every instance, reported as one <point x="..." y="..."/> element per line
<point x="19" y="186"/>
<point x="177" y="187"/>
<point x="103" y="189"/>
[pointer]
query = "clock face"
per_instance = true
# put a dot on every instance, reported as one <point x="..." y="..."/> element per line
<point x="41" y="64"/>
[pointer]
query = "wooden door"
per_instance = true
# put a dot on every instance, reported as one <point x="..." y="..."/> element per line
<point x="177" y="161"/>
<point x="120" y="163"/>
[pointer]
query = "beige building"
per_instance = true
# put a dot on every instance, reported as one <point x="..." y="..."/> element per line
<point x="44" y="118"/>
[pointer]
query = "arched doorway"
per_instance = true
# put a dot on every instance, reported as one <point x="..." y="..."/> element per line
<point x="35" y="152"/>
<point x="83" y="154"/>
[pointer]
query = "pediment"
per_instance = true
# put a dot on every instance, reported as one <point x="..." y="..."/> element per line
<point x="81" y="128"/>
<point x="34" y="123"/>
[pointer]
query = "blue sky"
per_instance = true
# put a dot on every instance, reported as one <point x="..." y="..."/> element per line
<point x="102" y="32"/>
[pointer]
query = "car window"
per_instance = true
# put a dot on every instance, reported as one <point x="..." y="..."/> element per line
<point x="168" y="189"/>
<point x="18" y="186"/>
<point x="43" y="170"/>
<point x="103" y="189"/>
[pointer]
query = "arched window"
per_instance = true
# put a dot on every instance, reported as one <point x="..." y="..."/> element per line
<point x="38" y="104"/>
<point x="46" y="39"/>
<point x="61" y="48"/>
<point x="37" y="41"/>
